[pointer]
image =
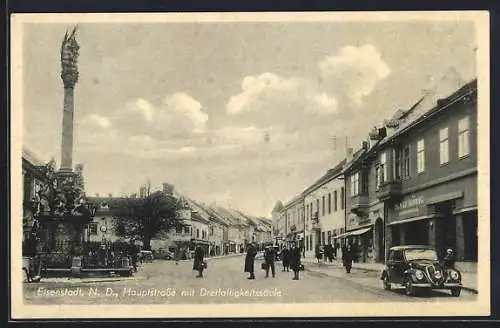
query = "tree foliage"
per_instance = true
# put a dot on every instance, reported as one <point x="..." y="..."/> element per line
<point x="145" y="217"/>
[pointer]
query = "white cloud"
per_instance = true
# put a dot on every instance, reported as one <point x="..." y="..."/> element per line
<point x="143" y="107"/>
<point x="186" y="105"/>
<point x="326" y="103"/>
<point x="98" y="120"/>
<point x="257" y="91"/>
<point x="354" y="72"/>
<point x="178" y="116"/>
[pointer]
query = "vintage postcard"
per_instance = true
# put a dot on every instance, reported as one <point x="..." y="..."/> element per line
<point x="250" y="165"/>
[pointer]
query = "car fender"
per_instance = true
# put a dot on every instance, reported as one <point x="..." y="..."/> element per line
<point x="383" y="273"/>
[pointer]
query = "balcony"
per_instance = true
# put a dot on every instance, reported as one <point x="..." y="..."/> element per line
<point x="390" y="190"/>
<point x="359" y="203"/>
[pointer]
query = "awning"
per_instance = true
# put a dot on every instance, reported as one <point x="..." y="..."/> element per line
<point x="416" y="218"/>
<point x="354" y="232"/>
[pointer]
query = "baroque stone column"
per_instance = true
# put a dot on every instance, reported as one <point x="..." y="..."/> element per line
<point x="69" y="76"/>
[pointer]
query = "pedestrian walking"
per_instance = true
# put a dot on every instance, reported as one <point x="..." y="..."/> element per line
<point x="449" y="259"/>
<point x="269" y="257"/>
<point x="178" y="255"/>
<point x="317" y="252"/>
<point x="198" y="263"/>
<point x="295" y="261"/>
<point x="250" y="260"/>
<point x="132" y="252"/>
<point x="347" y="257"/>
<point x="285" y="259"/>
<point x="335" y="249"/>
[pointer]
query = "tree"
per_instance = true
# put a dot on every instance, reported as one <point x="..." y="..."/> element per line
<point x="145" y="217"/>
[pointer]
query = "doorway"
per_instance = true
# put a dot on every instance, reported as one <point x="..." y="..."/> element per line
<point x="379" y="240"/>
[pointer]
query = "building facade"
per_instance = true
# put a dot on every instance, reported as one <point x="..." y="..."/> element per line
<point x="431" y="195"/>
<point x="324" y="209"/>
<point x="293" y="217"/>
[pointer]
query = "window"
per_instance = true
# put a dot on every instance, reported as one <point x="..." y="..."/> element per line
<point x="311" y="209"/>
<point x="93" y="228"/>
<point x="397" y="164"/>
<point x="335" y="205"/>
<point x="406" y="162"/>
<point x="420" y="156"/>
<point x="187" y="230"/>
<point x="383" y="167"/>
<point x="444" y="152"/>
<point x="463" y="137"/>
<point x="317" y="207"/>
<point x="197" y="233"/>
<point x="364" y="182"/>
<point x="323" y="205"/>
<point x="342" y="196"/>
<point x="329" y="203"/>
<point x="355" y="184"/>
<point x="377" y="176"/>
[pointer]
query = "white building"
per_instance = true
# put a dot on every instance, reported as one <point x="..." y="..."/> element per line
<point x="324" y="203"/>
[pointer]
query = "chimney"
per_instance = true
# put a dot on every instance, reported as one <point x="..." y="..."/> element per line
<point x="142" y="192"/>
<point x="349" y="152"/>
<point x="168" y="189"/>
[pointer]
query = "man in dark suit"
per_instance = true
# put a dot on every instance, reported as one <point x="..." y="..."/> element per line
<point x="269" y="257"/>
<point x="249" y="260"/>
<point x="295" y="260"/>
<point x="198" y="264"/>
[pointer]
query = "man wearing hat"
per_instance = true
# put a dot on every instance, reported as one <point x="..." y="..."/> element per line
<point x="449" y="259"/>
<point x="269" y="257"/>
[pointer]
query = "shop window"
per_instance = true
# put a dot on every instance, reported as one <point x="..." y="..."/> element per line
<point x="420" y="156"/>
<point x="93" y="228"/>
<point x="444" y="152"/>
<point x="335" y="199"/>
<point x="463" y="137"/>
<point x="406" y="162"/>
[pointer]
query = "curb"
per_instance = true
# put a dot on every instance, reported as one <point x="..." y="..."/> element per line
<point x="469" y="289"/>
<point x="85" y="281"/>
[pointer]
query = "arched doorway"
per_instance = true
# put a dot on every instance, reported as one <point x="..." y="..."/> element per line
<point x="379" y="239"/>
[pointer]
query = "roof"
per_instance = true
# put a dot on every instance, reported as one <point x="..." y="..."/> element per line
<point x="328" y="176"/>
<point x="398" y="248"/>
<point x="31" y="157"/>
<point x="470" y="87"/>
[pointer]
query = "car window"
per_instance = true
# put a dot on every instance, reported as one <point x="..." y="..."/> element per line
<point x="391" y="256"/>
<point x="398" y="256"/>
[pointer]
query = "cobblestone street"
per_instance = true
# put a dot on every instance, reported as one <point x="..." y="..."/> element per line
<point x="224" y="282"/>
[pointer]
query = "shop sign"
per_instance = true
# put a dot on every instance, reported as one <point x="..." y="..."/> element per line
<point x="353" y="220"/>
<point x="409" y="205"/>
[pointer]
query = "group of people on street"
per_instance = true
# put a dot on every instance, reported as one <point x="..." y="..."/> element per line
<point x="326" y="252"/>
<point x="290" y="259"/>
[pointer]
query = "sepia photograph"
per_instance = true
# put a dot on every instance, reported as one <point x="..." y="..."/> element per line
<point x="250" y="165"/>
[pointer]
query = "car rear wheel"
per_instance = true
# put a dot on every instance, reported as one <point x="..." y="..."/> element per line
<point x="409" y="289"/>
<point x="386" y="283"/>
<point x="456" y="291"/>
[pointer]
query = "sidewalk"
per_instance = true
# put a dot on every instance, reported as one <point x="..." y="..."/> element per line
<point x="468" y="270"/>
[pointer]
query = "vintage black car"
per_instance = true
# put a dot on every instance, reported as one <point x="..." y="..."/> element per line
<point x="416" y="267"/>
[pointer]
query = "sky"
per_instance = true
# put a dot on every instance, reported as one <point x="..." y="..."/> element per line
<point x="240" y="114"/>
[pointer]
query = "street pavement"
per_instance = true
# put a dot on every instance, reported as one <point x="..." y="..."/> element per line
<point x="224" y="281"/>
